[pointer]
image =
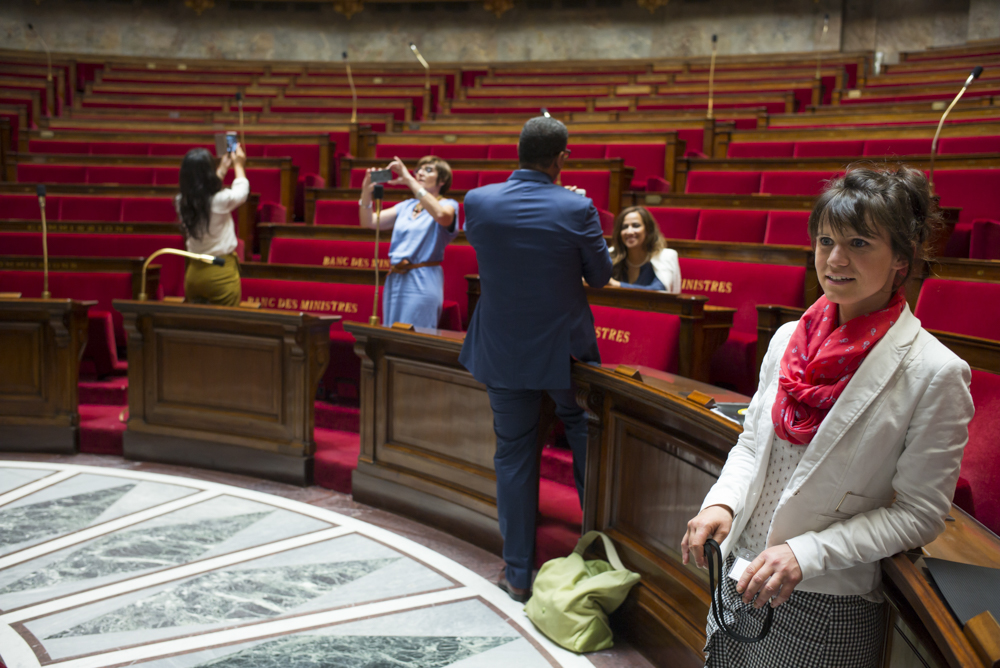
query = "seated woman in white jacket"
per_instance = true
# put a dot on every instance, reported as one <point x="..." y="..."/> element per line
<point x="640" y="257"/>
<point x="852" y="443"/>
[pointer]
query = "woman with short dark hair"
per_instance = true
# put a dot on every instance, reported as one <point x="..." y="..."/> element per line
<point x="639" y="254"/>
<point x="422" y="226"/>
<point x="205" y="209"/>
<point x="851" y="446"/>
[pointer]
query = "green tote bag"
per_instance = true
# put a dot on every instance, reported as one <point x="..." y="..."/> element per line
<point x="572" y="598"/>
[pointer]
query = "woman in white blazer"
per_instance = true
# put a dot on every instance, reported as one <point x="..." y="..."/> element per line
<point x="837" y="470"/>
<point x="639" y="254"/>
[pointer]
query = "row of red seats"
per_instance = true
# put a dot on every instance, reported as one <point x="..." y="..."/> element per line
<point x="790" y="228"/>
<point x="868" y="148"/>
<point x="90" y="208"/>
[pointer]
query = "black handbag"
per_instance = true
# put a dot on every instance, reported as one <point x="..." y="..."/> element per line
<point x="713" y="557"/>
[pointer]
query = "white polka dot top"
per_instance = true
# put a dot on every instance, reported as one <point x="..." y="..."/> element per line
<point x="783" y="460"/>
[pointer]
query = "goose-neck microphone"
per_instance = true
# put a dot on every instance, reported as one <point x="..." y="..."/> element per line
<point x="354" y="93"/>
<point x="968" y="82"/>
<point x="40" y="189"/>
<point x="427" y="68"/>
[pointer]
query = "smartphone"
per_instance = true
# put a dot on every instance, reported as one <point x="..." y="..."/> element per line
<point x="231" y="142"/>
<point x="381" y="175"/>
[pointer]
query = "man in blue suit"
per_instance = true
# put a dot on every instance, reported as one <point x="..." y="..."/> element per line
<point x="534" y="241"/>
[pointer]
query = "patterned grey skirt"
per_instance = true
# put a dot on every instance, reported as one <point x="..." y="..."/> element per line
<point x="810" y="630"/>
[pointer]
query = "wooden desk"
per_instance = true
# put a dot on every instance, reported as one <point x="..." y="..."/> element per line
<point x="41" y="342"/>
<point x="224" y="388"/>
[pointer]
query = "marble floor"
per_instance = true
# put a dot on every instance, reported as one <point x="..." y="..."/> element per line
<point x="108" y="562"/>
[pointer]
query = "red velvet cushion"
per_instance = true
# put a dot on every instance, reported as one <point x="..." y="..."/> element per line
<point x="647" y="159"/>
<point x="877" y="148"/>
<point x="179" y="149"/>
<point x="52" y="146"/>
<point x="351" y="302"/>
<point x="502" y="152"/>
<point x="956" y="306"/>
<point x="761" y="149"/>
<point x="27" y="173"/>
<point x="794" y="183"/>
<point x="743" y="285"/>
<point x="103" y="209"/>
<point x="148" y="210"/>
<point x="460" y="151"/>
<point x="732" y="225"/>
<point x="166" y="176"/>
<point x="626" y="336"/>
<point x="676" y="223"/>
<point x="963" y="145"/>
<point x="464" y="179"/>
<point x="119" y="148"/>
<point x="26" y="207"/>
<point x="597" y="185"/>
<point x="100" y="286"/>
<point x="121" y="175"/>
<point x="305" y="156"/>
<point x="788" y="228"/>
<point x="459" y="262"/>
<point x="267" y="182"/>
<point x="723" y="183"/>
<point x="328" y="252"/>
<point x="829" y="149"/>
<point x="405" y="151"/>
<point x="985" y="240"/>
<point x="488" y="176"/>
<point x="977" y="191"/>
<point x="981" y="460"/>
<point x="339" y="212"/>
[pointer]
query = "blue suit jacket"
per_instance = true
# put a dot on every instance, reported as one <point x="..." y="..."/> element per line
<point x="534" y="241"/>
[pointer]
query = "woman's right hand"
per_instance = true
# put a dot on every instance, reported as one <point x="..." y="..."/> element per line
<point x="714" y="522"/>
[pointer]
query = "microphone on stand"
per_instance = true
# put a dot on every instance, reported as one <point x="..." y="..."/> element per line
<point x="427" y="68"/>
<point x="968" y="82"/>
<point x="45" y="46"/>
<point x="207" y="259"/>
<point x="239" y="103"/>
<point x="545" y="113"/>
<point x="40" y="189"/>
<point x="354" y="93"/>
<point x="711" y="74"/>
<point x="377" y="195"/>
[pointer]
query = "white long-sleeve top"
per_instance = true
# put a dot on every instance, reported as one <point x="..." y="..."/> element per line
<point x="220" y="238"/>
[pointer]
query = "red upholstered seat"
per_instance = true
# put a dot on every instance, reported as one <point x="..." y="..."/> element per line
<point x="957" y="306"/>
<point x="101" y="350"/>
<point x="166" y="176"/>
<point x="985" y="240"/>
<point x="148" y="210"/>
<point x="305" y="156"/>
<point x="732" y="225"/>
<point x="54" y="146"/>
<point x="597" y="184"/>
<point x="118" y="148"/>
<point x="405" y="151"/>
<point x="876" y="148"/>
<point x="977" y="191"/>
<point x="588" y="151"/>
<point x="328" y="252"/>
<point x="676" y="223"/>
<point x="626" y="336"/>
<point x="488" y="176"/>
<point x="27" y="173"/>
<point x="761" y="149"/>
<point x="179" y="150"/>
<point x="787" y="228"/>
<point x="981" y="460"/>
<point x="723" y="183"/>
<point x="460" y="151"/>
<point x="646" y="159"/>
<point x="459" y="262"/>
<point x="307" y="181"/>
<point x="26" y="207"/>
<point x="340" y="212"/>
<point x="464" y="179"/>
<point x="267" y="182"/>
<point x="794" y="183"/>
<point x="100" y="286"/>
<point x="121" y="175"/>
<point x="742" y="285"/>
<point x="502" y="152"/>
<point x="103" y="209"/>
<point x="963" y="145"/>
<point x="840" y="148"/>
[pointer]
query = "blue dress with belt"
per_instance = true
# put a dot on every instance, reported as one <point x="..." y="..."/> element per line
<point x="417" y="296"/>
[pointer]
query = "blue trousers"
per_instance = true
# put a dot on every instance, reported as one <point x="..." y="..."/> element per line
<point x="516" y="414"/>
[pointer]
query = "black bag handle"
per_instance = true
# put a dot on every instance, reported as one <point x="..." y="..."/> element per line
<point x="715" y="566"/>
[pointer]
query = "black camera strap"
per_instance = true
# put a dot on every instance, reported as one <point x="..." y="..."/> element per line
<point x="713" y="556"/>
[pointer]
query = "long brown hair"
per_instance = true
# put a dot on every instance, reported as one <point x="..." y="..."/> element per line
<point x="653" y="243"/>
<point x="871" y="200"/>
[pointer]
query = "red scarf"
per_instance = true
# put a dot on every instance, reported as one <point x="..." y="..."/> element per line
<point x="820" y="360"/>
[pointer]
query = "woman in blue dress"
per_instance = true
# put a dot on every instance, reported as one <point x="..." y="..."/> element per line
<point x="421" y="228"/>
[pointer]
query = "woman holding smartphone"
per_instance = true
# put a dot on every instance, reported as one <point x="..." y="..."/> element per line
<point x="422" y="226"/>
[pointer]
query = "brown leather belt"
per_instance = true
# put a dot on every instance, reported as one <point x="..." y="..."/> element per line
<point x="405" y="266"/>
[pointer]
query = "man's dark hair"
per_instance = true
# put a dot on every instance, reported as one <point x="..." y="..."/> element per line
<point x="542" y="140"/>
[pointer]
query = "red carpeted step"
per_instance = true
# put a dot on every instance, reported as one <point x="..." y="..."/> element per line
<point x="336" y="458"/>
<point x="339" y="417"/>
<point x="100" y="430"/>
<point x="559" y="522"/>
<point x="108" y="392"/>
<point x="557" y="465"/>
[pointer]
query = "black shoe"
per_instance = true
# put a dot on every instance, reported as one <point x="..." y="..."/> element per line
<point x="516" y="593"/>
